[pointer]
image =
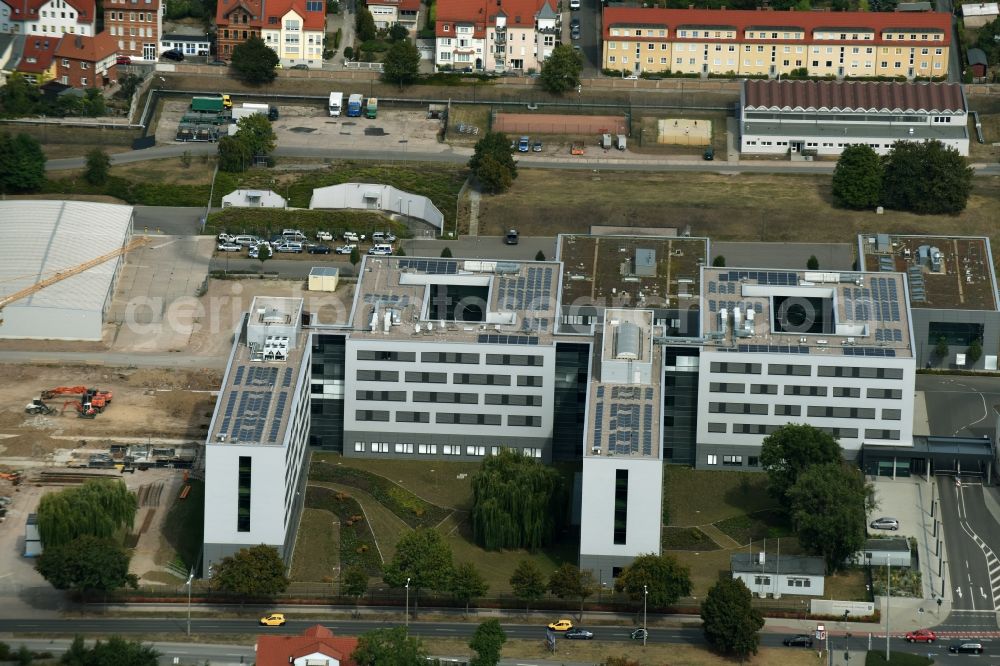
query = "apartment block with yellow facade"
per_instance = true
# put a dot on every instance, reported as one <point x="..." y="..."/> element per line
<point x="295" y="30"/>
<point x="774" y="43"/>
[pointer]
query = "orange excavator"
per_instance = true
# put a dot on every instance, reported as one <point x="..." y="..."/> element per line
<point x="83" y="410"/>
<point x="97" y="398"/>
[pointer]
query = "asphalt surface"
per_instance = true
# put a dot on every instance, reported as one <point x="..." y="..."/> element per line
<point x="168" y="220"/>
<point x="590" y="35"/>
<point x="959" y="405"/>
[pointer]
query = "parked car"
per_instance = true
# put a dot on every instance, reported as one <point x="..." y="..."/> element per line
<point x="218" y="63"/>
<point x="523" y="144"/>
<point x="639" y="634"/>
<point x="709" y="154"/>
<point x="574" y="5"/>
<point x="293" y="235"/>
<point x="967" y="647"/>
<point x="802" y="640"/>
<point x="123" y="60"/>
<point x="383" y="237"/>
<point x="885" y="523"/>
<point x="229" y="247"/>
<point x="324" y="236"/>
<point x="383" y="250"/>
<point x="350" y="237"/>
<point x="289" y="247"/>
<point x="576" y="633"/>
<point x="921" y="636"/>
<point x="226" y="238"/>
<point x="511" y="237"/>
<point x="345" y="249"/>
<point x="319" y="249"/>
<point x="173" y="54"/>
<point x="300" y="66"/>
<point x="561" y="625"/>
<point x="273" y="620"/>
<point x="536" y="147"/>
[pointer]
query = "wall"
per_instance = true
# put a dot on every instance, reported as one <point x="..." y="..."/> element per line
<point x="833" y="607"/>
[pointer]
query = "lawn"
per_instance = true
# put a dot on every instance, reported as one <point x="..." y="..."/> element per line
<point x="357" y="543"/>
<point x="847" y="585"/>
<point x="316" y="555"/>
<point x="765" y="524"/>
<point x="686" y="538"/>
<point x="743" y="207"/>
<point x="731" y="494"/>
<point x="183" y="528"/>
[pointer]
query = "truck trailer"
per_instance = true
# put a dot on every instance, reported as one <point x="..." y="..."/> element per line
<point x="354" y="105"/>
<point x="213" y="104"/>
<point x="336" y="103"/>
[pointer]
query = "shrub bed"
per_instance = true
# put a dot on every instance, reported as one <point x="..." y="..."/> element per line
<point x="357" y="543"/>
<point x="267" y="221"/>
<point x="686" y="538"/>
<point x="412" y="510"/>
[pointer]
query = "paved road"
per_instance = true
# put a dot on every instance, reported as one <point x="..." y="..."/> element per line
<point x="960" y="406"/>
<point x="168" y="220"/>
<point x="590" y="34"/>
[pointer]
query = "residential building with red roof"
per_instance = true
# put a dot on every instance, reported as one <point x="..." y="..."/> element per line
<point x="801" y="118"/>
<point x="136" y="25"/>
<point x="236" y="21"/>
<point x="48" y="17"/>
<point x="388" y="13"/>
<point x="495" y="36"/>
<point x="772" y="43"/>
<point x="86" y="62"/>
<point x="317" y="646"/>
<point x="38" y="63"/>
<point x="295" y="30"/>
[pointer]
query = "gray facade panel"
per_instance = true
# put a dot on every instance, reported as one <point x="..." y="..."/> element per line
<point x="924" y="347"/>
<point x="604" y="566"/>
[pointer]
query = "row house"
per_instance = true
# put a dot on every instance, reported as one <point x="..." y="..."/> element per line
<point x="294" y="29"/>
<point x="774" y="43"/>
<point x="136" y="26"/>
<point x="48" y="17"/>
<point x="86" y="62"/>
<point x="236" y="21"/>
<point x="495" y="36"/>
<point x="388" y="13"/>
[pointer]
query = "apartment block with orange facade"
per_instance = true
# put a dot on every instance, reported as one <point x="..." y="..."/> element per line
<point x="236" y="21"/>
<point x="136" y="26"/>
<point x="773" y="43"/>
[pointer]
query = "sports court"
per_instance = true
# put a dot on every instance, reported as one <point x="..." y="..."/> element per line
<point x="553" y="123"/>
<point x="684" y="132"/>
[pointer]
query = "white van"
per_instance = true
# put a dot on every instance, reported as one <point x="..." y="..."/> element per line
<point x="293" y="235"/>
<point x="350" y="237"/>
<point x="246" y="240"/>
<point x="335" y="103"/>
<point x="289" y="246"/>
<point x="380" y="249"/>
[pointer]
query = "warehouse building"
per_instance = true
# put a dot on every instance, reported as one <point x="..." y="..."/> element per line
<point x="54" y="236"/>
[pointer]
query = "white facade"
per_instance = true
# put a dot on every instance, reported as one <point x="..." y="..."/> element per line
<point x="187" y="44"/>
<point x="293" y="42"/>
<point x="377" y="197"/>
<point x="775" y="576"/>
<point x="506" y="43"/>
<point x="48" y="235"/>
<point x="55" y="17"/>
<point x="253" y="198"/>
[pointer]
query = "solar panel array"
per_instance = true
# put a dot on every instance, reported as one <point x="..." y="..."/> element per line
<point x="286" y="381"/>
<point x="774" y="349"/>
<point x="388" y="299"/>
<point x="278" y="411"/>
<point x="630" y="419"/>
<point x="762" y="277"/>
<point x="535" y="324"/>
<point x="529" y="292"/>
<point x="888" y="335"/>
<point x="250" y="416"/>
<point x="885" y="299"/>
<point x="508" y="339"/>
<point x="918" y="290"/>
<point x="260" y="376"/>
<point x="729" y="305"/>
<point x="869" y="351"/>
<point x="434" y="266"/>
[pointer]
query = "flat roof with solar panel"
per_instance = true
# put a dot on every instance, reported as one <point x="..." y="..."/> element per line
<point x="806" y="312"/>
<point x="255" y="399"/>
<point x="458" y="300"/>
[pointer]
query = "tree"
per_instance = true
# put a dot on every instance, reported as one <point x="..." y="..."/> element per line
<point x="487" y="642"/>
<point x="401" y="63"/>
<point x="974" y="352"/>
<point x="812" y="263"/>
<point x="256" y="132"/>
<point x="234" y="155"/>
<point x="528" y="582"/>
<point x="729" y="620"/>
<point x="493" y="163"/>
<point x="423" y="557"/>
<point x="93" y="103"/>
<point x="252" y="572"/>
<point x="22" y="163"/>
<point x="926" y="178"/>
<point x="571" y="582"/>
<point x="263" y="252"/>
<point x="98" y="166"/>
<point x="467" y="583"/>
<point x="828" y="504"/>
<point x="539" y="256"/>
<point x="857" y="179"/>
<point x="364" y="25"/>
<point x="389" y="647"/>
<point x="789" y="451"/>
<point x="941" y="348"/>
<point x="86" y="563"/>
<point x="398" y="32"/>
<point x="561" y="70"/>
<point x="664" y="578"/>
<point x="355" y="256"/>
<point x="254" y="61"/>
<point x="446" y="252"/>
<point x="515" y="502"/>
<point x="18" y="97"/>
<point x="116" y="651"/>
<point x="355" y="584"/>
<point x="719" y="261"/>
<point x="127" y="85"/>
<point x="24" y="656"/>
<point x="97" y="508"/>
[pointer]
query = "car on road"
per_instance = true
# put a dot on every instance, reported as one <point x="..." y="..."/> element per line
<point x="536" y="147"/>
<point x="921" y="636"/>
<point x="966" y="647"/>
<point x="345" y="249"/>
<point x="511" y="237"/>
<point x="300" y="66"/>
<point x="576" y="633"/>
<point x="709" y="154"/>
<point x="802" y="640"/>
<point x="561" y="625"/>
<point x="173" y="54"/>
<point x="639" y="634"/>
<point x="319" y="249"/>
<point x="885" y="523"/>
<point x="574" y="29"/>
<point x="228" y="247"/>
<point x="324" y="235"/>
<point x="574" y="5"/>
<point x="273" y="620"/>
<point x="523" y="144"/>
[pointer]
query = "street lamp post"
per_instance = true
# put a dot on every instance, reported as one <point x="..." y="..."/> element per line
<point x="645" y="631"/>
<point x="189" y="581"/>
<point x="406" y="619"/>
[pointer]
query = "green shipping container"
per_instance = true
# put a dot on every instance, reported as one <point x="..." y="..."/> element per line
<point x="213" y="104"/>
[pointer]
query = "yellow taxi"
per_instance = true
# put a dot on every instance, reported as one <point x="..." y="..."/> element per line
<point x="561" y="625"/>
<point x="273" y="620"/>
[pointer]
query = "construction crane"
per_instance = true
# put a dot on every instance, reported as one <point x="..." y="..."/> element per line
<point x="70" y="272"/>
